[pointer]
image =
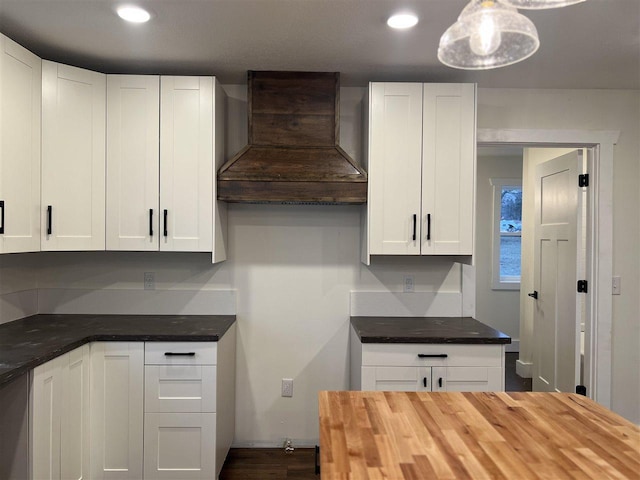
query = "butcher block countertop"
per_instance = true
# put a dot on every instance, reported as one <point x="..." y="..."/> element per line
<point x="447" y="435"/>
<point x="465" y="330"/>
<point x="34" y="340"/>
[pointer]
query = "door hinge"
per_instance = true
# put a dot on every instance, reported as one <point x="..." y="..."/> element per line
<point x="582" y="286"/>
<point x="583" y="180"/>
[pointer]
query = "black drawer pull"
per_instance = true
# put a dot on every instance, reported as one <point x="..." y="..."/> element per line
<point x="180" y="354"/>
<point x="166" y="232"/>
<point x="2" y="217"/>
<point x="435" y="355"/>
<point x="440" y="382"/>
<point x="151" y="222"/>
<point x="428" y="226"/>
<point x="49" y="219"/>
<point x="414" y="226"/>
<point x="424" y="382"/>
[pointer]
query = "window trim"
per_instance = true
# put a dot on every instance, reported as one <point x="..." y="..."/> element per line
<point x="497" y="282"/>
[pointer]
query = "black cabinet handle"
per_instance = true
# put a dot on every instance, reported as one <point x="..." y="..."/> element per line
<point x="166" y="213"/>
<point x="414" y="226"/>
<point x="428" y="226"/>
<point x="151" y="222"/>
<point x="49" y="219"/>
<point x="2" y="217"/>
<point x="533" y="294"/>
<point x="434" y="355"/>
<point x="180" y="354"/>
<point x="440" y="382"/>
<point x="424" y="382"/>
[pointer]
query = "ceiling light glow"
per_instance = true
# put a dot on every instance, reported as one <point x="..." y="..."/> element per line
<point x="133" y="14"/>
<point x="402" y="20"/>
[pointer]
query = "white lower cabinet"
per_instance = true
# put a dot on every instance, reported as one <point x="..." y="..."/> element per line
<point x="179" y="446"/>
<point x="134" y="410"/>
<point x="59" y="417"/>
<point x="426" y="367"/>
<point x="117" y="372"/>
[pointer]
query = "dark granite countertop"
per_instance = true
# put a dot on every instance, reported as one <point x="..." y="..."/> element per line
<point x="32" y="341"/>
<point x="426" y="330"/>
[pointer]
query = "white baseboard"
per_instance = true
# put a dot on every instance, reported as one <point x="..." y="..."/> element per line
<point x="524" y="369"/>
<point x="137" y="302"/>
<point x="17" y="305"/>
<point x="398" y="304"/>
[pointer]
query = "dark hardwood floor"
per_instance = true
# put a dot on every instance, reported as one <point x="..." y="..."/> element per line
<point x="514" y="383"/>
<point x="275" y="464"/>
<point x="269" y="464"/>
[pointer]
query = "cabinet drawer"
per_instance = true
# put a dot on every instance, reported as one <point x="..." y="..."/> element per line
<point x="180" y="353"/>
<point x="180" y="388"/>
<point x="407" y="354"/>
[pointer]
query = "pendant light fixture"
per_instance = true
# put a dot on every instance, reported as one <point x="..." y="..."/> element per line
<point x="541" y="4"/>
<point x="488" y="34"/>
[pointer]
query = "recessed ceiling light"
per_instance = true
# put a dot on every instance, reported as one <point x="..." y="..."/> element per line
<point x="133" y="14"/>
<point x="402" y="20"/>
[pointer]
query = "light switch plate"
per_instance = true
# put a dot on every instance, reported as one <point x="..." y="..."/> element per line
<point x="616" y="285"/>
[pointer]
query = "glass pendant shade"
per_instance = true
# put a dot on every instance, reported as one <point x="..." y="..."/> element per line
<point x="488" y="34"/>
<point x="541" y="4"/>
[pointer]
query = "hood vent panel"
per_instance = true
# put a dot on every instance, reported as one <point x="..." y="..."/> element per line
<point x="293" y="154"/>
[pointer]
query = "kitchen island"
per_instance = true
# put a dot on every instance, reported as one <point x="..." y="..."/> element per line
<point x="519" y="435"/>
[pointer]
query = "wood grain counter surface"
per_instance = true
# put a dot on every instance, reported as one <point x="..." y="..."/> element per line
<point x="447" y="435"/>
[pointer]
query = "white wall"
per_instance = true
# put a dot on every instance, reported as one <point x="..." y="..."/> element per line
<point x="498" y="308"/>
<point x="18" y="283"/>
<point x="595" y="110"/>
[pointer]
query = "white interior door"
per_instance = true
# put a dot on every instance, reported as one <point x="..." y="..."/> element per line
<point x="556" y="316"/>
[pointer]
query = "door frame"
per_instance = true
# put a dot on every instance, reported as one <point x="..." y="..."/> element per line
<point x="599" y="235"/>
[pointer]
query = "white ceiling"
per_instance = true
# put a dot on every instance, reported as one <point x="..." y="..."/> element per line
<point x="595" y="44"/>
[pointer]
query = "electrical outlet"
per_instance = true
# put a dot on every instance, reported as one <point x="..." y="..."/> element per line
<point x="287" y="387"/>
<point x="149" y="280"/>
<point x="408" y="285"/>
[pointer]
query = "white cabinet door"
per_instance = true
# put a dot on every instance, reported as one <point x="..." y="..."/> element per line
<point x="468" y="379"/>
<point x="117" y="371"/>
<point x="74" y="426"/>
<point x="73" y="158"/>
<point x="397" y="379"/>
<point x="395" y="166"/>
<point x="44" y="431"/>
<point x="448" y="169"/>
<point x="20" y="105"/>
<point x="189" y="132"/>
<point x="59" y="417"/>
<point x="133" y="168"/>
<point x="179" y="446"/>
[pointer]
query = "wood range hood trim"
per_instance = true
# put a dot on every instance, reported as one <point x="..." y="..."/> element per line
<point x="293" y="156"/>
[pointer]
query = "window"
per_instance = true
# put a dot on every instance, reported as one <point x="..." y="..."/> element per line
<point x="507" y="233"/>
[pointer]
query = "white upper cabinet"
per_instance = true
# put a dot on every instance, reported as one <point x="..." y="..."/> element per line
<point x="20" y="106"/>
<point x="448" y="168"/>
<point x="165" y="144"/>
<point x="73" y="158"/>
<point x="133" y="169"/>
<point x="421" y="164"/>
<point x="191" y="151"/>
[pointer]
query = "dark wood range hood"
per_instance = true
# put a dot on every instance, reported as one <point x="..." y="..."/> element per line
<point x="293" y="154"/>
